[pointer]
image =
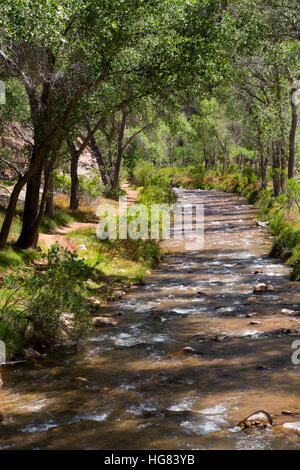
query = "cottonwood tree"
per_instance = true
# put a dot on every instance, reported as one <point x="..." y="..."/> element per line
<point x="61" y="50"/>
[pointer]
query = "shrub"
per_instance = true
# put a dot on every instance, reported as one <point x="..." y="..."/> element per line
<point x="143" y="172"/>
<point x="291" y="196"/>
<point x="253" y="196"/>
<point x="157" y="190"/>
<point x="114" y="194"/>
<point x="34" y="301"/>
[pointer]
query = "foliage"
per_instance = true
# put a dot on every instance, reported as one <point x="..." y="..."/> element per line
<point x="34" y="301"/>
<point x="157" y="190"/>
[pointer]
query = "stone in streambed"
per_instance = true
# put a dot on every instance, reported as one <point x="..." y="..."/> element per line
<point x="119" y="293"/>
<point x="30" y="353"/>
<point x="220" y="338"/>
<point x="189" y="350"/>
<point x="289" y="427"/>
<point x="251" y="299"/>
<point x="201" y="294"/>
<point x="286" y="311"/>
<point x="261" y="288"/>
<point x="81" y="379"/>
<point x="252" y="314"/>
<point x="255" y="322"/>
<point x="260" y="418"/>
<point x="105" y="321"/>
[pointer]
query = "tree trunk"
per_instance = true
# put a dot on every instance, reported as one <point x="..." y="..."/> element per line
<point x="115" y="182"/>
<point x="27" y="238"/>
<point x="74" y="197"/>
<point x="100" y="161"/>
<point x="293" y="130"/>
<point x="50" y="208"/>
<point x="276" y="169"/>
<point x="22" y="180"/>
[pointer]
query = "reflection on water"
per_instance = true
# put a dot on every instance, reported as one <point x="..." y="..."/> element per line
<point x="133" y="381"/>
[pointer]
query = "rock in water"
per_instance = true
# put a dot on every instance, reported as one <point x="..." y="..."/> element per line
<point x="261" y="288"/>
<point x="1" y="417"/>
<point x="31" y="353"/>
<point x="261" y="418"/>
<point x="105" y="321"/>
<point x="289" y="427"/>
<point x="189" y="350"/>
<point x="286" y="311"/>
<point x="252" y="314"/>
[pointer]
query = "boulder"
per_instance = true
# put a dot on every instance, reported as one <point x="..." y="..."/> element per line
<point x="286" y="311"/>
<point x="30" y="353"/>
<point x="252" y="314"/>
<point x="260" y="418"/>
<point x="93" y="302"/>
<point x="192" y="351"/>
<point x="255" y="322"/>
<point x="261" y="288"/>
<point x="289" y="427"/>
<point x="105" y="321"/>
<point x="220" y="337"/>
<point x="119" y="293"/>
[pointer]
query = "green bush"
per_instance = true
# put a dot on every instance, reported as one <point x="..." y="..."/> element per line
<point x="253" y="196"/>
<point x="143" y="172"/>
<point x="283" y="245"/>
<point x="34" y="300"/>
<point x="114" y="194"/>
<point x="157" y="190"/>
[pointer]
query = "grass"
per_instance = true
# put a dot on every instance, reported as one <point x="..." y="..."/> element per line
<point x="122" y="261"/>
<point x="12" y="257"/>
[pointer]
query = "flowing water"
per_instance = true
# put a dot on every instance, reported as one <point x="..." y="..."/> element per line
<point x="138" y="394"/>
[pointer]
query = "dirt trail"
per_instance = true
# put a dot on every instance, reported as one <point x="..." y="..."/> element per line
<point x="58" y="235"/>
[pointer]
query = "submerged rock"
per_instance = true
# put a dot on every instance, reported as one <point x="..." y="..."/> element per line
<point x="104" y="321"/>
<point x="293" y="427"/>
<point x="251" y="299"/>
<point x="261" y="418"/>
